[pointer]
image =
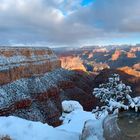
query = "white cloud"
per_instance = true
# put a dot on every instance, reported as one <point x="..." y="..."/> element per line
<point x="60" y="22"/>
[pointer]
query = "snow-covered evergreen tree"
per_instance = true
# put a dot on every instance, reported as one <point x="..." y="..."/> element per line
<point x="113" y="93"/>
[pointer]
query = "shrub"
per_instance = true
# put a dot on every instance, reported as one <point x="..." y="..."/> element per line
<point x="6" y="137"/>
<point x="114" y="90"/>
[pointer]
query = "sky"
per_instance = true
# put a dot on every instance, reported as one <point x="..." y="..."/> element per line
<point x="69" y="23"/>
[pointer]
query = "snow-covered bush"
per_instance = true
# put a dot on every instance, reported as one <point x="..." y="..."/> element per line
<point x="114" y="94"/>
<point x="69" y="106"/>
<point x="5" y="137"/>
<point x="113" y="90"/>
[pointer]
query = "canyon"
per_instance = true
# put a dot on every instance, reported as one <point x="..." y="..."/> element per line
<point x="33" y="85"/>
<point x="97" y="58"/>
<point x="103" y="61"/>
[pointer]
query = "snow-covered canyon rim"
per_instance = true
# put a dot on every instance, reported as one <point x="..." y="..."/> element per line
<point x="77" y="125"/>
<point x="20" y="129"/>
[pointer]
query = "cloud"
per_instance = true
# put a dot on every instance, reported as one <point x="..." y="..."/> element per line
<point x="67" y="22"/>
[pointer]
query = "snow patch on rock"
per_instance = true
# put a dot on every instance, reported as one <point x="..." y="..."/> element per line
<point x="69" y="106"/>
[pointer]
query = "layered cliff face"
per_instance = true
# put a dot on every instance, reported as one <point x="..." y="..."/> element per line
<point x="22" y="87"/>
<point x="33" y="84"/>
<point x="72" y="63"/>
<point x="130" y="71"/>
<point x="16" y="63"/>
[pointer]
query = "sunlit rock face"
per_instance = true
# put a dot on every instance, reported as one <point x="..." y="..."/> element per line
<point x="131" y="55"/>
<point x="130" y="71"/>
<point x="124" y="127"/>
<point x="135" y="49"/>
<point x="116" y="55"/>
<point x="136" y="66"/>
<point x="72" y="63"/>
<point x="132" y="52"/>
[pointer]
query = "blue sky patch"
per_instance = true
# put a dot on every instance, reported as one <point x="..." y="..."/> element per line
<point x="86" y="2"/>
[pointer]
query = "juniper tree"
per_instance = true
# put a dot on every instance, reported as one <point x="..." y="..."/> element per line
<point x="114" y="90"/>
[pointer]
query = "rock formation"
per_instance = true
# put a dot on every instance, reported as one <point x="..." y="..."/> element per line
<point x="116" y="55"/>
<point x="16" y="63"/>
<point x="135" y="49"/>
<point x="136" y="66"/>
<point x="113" y="56"/>
<point x="33" y="84"/>
<point x="100" y="50"/>
<point x="124" y="127"/>
<point x="131" y="55"/>
<point x="72" y="63"/>
<point x="89" y="132"/>
<point x="130" y="71"/>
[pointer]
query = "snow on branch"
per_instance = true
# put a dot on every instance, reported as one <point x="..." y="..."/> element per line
<point x="115" y="94"/>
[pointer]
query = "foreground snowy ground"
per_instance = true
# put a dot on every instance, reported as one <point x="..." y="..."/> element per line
<point x="20" y="129"/>
<point x="71" y="129"/>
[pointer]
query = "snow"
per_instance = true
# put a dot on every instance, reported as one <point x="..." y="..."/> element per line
<point x="18" y="59"/>
<point x="113" y="104"/>
<point x="78" y="119"/>
<point x="114" y="90"/>
<point x="71" y="129"/>
<point x="75" y="121"/>
<point x="93" y="130"/>
<point x="25" y="87"/>
<point x="76" y="125"/>
<point x="115" y="94"/>
<point x="137" y="100"/>
<point x="136" y="103"/>
<point x="69" y="106"/>
<point x="20" y="129"/>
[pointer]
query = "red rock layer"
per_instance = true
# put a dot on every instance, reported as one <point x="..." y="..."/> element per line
<point x="19" y="63"/>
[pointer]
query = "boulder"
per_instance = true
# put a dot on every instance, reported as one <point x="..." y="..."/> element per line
<point x="89" y="132"/>
<point x="124" y="127"/>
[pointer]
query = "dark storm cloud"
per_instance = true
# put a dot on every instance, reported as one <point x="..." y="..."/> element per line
<point x="59" y="22"/>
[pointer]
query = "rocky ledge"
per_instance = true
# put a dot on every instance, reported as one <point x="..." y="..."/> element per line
<point x="124" y="127"/>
